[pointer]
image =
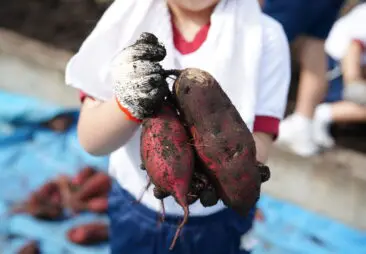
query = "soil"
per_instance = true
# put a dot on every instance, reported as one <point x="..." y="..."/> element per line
<point x="62" y="23"/>
<point x="66" y="23"/>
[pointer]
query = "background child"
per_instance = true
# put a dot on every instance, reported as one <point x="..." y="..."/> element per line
<point x="246" y="51"/>
<point x="346" y="99"/>
<point x="307" y="24"/>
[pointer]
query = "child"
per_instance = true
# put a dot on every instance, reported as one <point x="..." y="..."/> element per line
<point x="307" y="24"/>
<point x="346" y="99"/>
<point x="247" y="53"/>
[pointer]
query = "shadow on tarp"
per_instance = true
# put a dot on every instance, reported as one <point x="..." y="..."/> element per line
<point x="30" y="155"/>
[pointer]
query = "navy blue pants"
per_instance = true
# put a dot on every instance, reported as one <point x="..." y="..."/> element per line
<point x="313" y="18"/>
<point x="134" y="230"/>
<point x="335" y="89"/>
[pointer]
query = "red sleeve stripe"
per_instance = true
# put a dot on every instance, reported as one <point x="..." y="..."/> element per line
<point x="267" y="124"/>
<point x="82" y="96"/>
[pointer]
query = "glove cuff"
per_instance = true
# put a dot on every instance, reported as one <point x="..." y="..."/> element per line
<point x="127" y="113"/>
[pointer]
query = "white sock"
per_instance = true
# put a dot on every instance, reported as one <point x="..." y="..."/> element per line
<point x="323" y="112"/>
<point x="301" y="120"/>
<point x="296" y="134"/>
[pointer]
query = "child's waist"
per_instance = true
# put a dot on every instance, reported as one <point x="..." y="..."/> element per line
<point x="121" y="196"/>
<point x="135" y="184"/>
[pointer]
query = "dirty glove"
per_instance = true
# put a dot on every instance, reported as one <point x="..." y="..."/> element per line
<point x="138" y="79"/>
<point x="355" y="92"/>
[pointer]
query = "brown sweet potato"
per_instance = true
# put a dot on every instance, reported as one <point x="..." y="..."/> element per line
<point x="168" y="157"/>
<point x="30" y="248"/>
<point x="221" y="138"/>
<point x="44" y="203"/>
<point x="40" y="208"/>
<point x="87" y="234"/>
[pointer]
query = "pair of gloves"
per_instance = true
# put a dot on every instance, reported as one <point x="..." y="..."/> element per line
<point x="138" y="78"/>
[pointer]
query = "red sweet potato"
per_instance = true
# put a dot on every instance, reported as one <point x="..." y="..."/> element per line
<point x="92" y="233"/>
<point x="168" y="157"/>
<point x="97" y="185"/>
<point x="98" y="205"/>
<point x="44" y="203"/>
<point x="30" y="248"/>
<point x="221" y="138"/>
<point x="83" y="176"/>
<point x="39" y="207"/>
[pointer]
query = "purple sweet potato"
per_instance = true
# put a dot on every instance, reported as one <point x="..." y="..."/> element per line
<point x="168" y="157"/>
<point x="221" y="138"/>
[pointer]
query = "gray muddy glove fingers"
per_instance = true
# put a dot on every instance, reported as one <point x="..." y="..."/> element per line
<point x="141" y="96"/>
<point x="134" y="70"/>
<point x="140" y="52"/>
<point x="147" y="38"/>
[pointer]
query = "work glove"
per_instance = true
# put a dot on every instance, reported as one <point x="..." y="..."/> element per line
<point x="139" y="83"/>
<point x="355" y="92"/>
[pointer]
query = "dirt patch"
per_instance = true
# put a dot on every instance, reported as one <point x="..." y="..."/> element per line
<point x="63" y="23"/>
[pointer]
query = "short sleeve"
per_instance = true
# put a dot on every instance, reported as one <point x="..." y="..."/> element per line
<point x="88" y="69"/>
<point x="274" y="78"/>
<point x="347" y="29"/>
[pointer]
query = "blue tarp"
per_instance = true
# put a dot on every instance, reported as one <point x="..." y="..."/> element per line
<point x="31" y="155"/>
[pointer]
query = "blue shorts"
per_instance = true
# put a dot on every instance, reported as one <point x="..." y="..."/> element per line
<point x="134" y="230"/>
<point x="335" y="89"/>
<point x="313" y="18"/>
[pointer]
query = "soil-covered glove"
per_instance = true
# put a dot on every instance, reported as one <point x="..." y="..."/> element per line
<point x="355" y="92"/>
<point x="138" y="78"/>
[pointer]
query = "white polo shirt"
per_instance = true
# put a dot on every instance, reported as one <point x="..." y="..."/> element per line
<point x="348" y="28"/>
<point x="273" y="84"/>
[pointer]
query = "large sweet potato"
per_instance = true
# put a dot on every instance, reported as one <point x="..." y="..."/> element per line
<point x="221" y="138"/>
<point x="168" y="157"/>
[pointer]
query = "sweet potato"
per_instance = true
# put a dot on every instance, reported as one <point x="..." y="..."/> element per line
<point x="221" y="138"/>
<point x="83" y="176"/>
<point x="44" y="203"/>
<point x="168" y="157"/>
<point x="30" y="248"/>
<point x="98" y="205"/>
<point x="96" y="185"/>
<point x="40" y="208"/>
<point x="87" y="234"/>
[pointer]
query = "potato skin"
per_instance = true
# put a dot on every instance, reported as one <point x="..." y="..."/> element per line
<point x="168" y="158"/>
<point x="166" y="153"/>
<point x="222" y="140"/>
<point x="88" y="234"/>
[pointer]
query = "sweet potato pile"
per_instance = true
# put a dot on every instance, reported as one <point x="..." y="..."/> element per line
<point x="198" y="147"/>
<point x="85" y="192"/>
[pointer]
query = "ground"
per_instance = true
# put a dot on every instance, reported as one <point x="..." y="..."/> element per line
<point x="63" y="23"/>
